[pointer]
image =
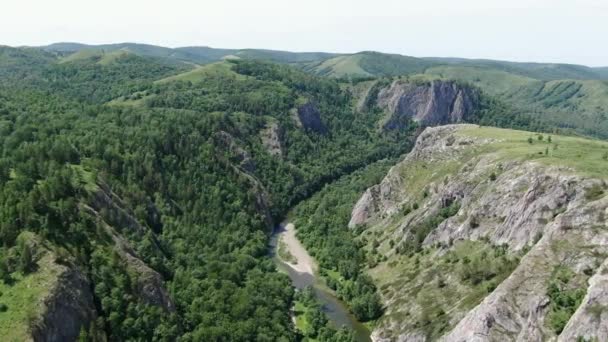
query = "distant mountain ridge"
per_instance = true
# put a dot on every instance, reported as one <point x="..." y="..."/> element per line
<point x="193" y="54"/>
<point x="360" y="64"/>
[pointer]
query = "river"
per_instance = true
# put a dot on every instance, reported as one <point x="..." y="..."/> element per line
<point x="303" y="273"/>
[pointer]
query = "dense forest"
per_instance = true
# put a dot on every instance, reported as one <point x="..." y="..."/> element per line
<point x="177" y="176"/>
<point x="116" y="164"/>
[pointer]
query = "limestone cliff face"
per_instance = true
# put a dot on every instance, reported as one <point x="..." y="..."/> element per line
<point x="547" y="210"/>
<point x="434" y="103"/>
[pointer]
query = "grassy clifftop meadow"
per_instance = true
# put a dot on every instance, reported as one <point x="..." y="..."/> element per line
<point x="139" y="187"/>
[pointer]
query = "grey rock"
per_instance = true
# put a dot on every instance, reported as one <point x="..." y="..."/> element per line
<point x="434" y="103"/>
<point x="69" y="308"/>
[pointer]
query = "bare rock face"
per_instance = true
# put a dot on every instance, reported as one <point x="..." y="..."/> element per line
<point x="309" y="117"/>
<point x="434" y="103"/>
<point x="150" y="284"/>
<point x="523" y="205"/>
<point x="272" y="139"/>
<point x="69" y="308"/>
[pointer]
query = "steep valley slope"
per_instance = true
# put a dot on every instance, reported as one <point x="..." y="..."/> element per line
<point x="486" y="234"/>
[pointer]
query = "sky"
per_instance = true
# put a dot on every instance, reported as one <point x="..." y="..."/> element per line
<point x="566" y="31"/>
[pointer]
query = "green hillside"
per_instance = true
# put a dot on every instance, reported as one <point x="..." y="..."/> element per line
<point x="179" y="188"/>
<point x="541" y="71"/>
<point x="572" y="105"/>
<point x="366" y="64"/>
<point x="194" y="54"/>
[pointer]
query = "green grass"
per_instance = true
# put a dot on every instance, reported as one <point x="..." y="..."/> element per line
<point x="584" y="156"/>
<point x="200" y="73"/>
<point x="341" y="66"/>
<point x="102" y="57"/>
<point x="367" y="64"/>
<point x="108" y="58"/>
<point x="84" y="178"/>
<point x="24" y="298"/>
<point x="302" y="323"/>
<point x="427" y="290"/>
<point x="284" y="253"/>
<point x="491" y="80"/>
<point x="579" y="105"/>
<point x="81" y="55"/>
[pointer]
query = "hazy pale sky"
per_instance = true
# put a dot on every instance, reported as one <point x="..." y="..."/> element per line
<point x="571" y="31"/>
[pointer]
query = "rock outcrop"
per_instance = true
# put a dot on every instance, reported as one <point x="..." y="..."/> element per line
<point x="550" y="215"/>
<point x="309" y="118"/>
<point x="150" y="284"/>
<point x="69" y="308"/>
<point x="272" y="139"/>
<point x="431" y="103"/>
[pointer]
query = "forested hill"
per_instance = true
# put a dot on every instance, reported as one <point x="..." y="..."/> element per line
<point x="137" y="197"/>
<point x="564" y="98"/>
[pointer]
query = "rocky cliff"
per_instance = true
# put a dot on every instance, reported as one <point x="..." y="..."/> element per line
<point x="430" y="103"/>
<point x="68" y="308"/>
<point x="308" y="117"/>
<point x="482" y="234"/>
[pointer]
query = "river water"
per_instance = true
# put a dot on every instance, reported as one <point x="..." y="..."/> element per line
<point x="336" y="310"/>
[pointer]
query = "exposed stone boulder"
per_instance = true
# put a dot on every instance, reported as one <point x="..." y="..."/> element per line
<point x="434" y="103"/>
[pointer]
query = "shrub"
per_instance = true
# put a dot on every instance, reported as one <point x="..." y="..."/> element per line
<point x="564" y="299"/>
<point x="594" y="192"/>
<point x="493" y="176"/>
